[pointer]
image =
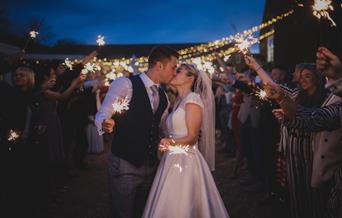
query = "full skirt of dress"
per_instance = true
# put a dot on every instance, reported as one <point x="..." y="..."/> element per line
<point x="184" y="188"/>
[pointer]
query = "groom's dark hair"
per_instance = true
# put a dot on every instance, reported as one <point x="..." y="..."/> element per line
<point x="160" y="53"/>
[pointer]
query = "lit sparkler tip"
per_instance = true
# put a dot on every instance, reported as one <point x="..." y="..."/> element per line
<point x="68" y="63"/>
<point x="13" y="135"/>
<point x="90" y="67"/>
<point x="179" y="149"/>
<point x="262" y="94"/>
<point x="243" y="43"/>
<point x="120" y="105"/>
<point x="321" y="9"/>
<point x="100" y="40"/>
<point x="33" y="34"/>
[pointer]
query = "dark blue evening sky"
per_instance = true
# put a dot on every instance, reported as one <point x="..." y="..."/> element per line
<point x="137" y="21"/>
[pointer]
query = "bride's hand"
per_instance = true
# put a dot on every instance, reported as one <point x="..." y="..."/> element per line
<point x="164" y="144"/>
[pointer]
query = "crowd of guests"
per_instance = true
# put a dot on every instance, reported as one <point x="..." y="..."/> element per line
<point x="51" y="108"/>
<point x="47" y="128"/>
<point x="285" y="158"/>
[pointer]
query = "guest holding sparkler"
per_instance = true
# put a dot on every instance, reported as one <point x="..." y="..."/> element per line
<point x="327" y="159"/>
<point x="26" y="154"/>
<point x="73" y="113"/>
<point x="133" y="161"/>
<point x="297" y="144"/>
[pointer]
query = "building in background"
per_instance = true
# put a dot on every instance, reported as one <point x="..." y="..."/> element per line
<point x="297" y="37"/>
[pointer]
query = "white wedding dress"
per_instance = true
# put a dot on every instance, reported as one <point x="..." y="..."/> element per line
<point x="183" y="186"/>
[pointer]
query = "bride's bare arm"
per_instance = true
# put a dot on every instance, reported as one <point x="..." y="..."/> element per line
<point x="193" y="119"/>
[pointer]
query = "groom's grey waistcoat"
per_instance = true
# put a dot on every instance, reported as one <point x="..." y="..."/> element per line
<point x="136" y="131"/>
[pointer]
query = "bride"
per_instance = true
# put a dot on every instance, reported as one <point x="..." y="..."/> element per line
<point x="183" y="186"/>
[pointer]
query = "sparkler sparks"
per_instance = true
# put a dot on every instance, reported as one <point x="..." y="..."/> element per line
<point x="178" y="167"/>
<point x="13" y="135"/>
<point x="90" y="67"/>
<point x="179" y="149"/>
<point x="243" y="43"/>
<point x="68" y="63"/>
<point x="33" y="34"/>
<point x="100" y="40"/>
<point x="120" y="105"/>
<point x="321" y="9"/>
<point x="261" y="94"/>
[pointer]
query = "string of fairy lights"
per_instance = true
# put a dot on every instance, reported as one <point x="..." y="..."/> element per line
<point x="202" y="55"/>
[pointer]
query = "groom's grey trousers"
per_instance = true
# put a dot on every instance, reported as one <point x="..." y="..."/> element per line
<point x="129" y="187"/>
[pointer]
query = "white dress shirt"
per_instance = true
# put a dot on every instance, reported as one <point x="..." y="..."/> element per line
<point x="121" y="88"/>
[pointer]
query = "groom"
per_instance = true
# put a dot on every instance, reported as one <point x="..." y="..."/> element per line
<point x="133" y="162"/>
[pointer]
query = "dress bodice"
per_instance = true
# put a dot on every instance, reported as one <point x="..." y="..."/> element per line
<point x="176" y="121"/>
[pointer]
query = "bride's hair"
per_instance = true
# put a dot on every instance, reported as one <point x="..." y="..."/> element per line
<point x="192" y="71"/>
<point x="202" y="85"/>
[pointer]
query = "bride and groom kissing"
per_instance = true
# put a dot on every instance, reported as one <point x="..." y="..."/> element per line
<point x="180" y="184"/>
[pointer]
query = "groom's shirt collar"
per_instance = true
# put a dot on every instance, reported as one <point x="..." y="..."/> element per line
<point x="147" y="81"/>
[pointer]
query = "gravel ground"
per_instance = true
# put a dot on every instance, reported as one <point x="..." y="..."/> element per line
<point x="86" y="195"/>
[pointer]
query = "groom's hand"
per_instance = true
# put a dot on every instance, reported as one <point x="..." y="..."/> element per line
<point x="108" y="125"/>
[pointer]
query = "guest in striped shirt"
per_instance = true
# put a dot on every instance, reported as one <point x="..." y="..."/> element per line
<point x="328" y="171"/>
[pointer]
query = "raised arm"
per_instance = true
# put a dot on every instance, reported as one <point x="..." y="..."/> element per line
<point x="253" y="64"/>
<point x="88" y="58"/>
<point x="64" y="95"/>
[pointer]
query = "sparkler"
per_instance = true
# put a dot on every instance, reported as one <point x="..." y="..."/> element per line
<point x="13" y="136"/>
<point x="33" y="35"/>
<point x="243" y="43"/>
<point x="178" y="149"/>
<point x="321" y="9"/>
<point x="100" y="40"/>
<point x="90" y="67"/>
<point x="68" y="63"/>
<point x="261" y="94"/>
<point x="120" y="105"/>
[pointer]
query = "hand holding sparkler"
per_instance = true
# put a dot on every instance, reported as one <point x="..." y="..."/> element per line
<point x="119" y="106"/>
<point x="274" y="91"/>
<point x="252" y="63"/>
<point x="107" y="126"/>
<point x="328" y="63"/>
<point x="279" y="114"/>
<point x="165" y="143"/>
<point x="169" y="144"/>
